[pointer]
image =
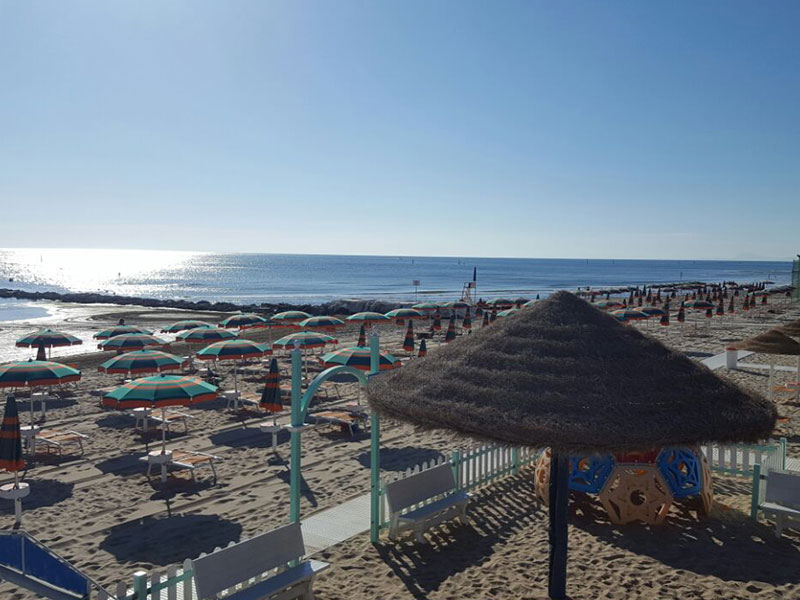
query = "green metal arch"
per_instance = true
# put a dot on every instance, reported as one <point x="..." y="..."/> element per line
<point x="320" y="379"/>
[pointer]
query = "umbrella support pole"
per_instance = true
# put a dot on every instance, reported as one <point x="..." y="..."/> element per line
<point x="559" y="497"/>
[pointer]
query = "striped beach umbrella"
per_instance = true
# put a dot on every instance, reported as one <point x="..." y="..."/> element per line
<point x="699" y="305"/>
<point x="305" y="339"/>
<point x="120" y="330"/>
<point x="243" y="321"/>
<point x="608" y="304"/>
<point x="33" y="373"/>
<point x="49" y="338"/>
<point x="720" y="311"/>
<point x="628" y="314"/>
<point x="288" y="318"/>
<point x="501" y="303"/>
<point x="368" y="317"/>
<point x="362" y="336"/>
<point x="485" y="319"/>
<point x="423" y="348"/>
<point x="178" y="326"/>
<point x="408" y="341"/>
<point x="426" y="307"/>
<point x="456" y="305"/>
<point x="401" y="314"/>
<point x="358" y="357"/>
<point x="664" y="319"/>
<point x="681" y="314"/>
<point x="731" y="306"/>
<point x="233" y="350"/>
<point x="450" y="334"/>
<point x="467" y="322"/>
<point x="132" y="341"/>
<point x="142" y="361"/>
<point x="160" y="391"/>
<point x="323" y="323"/>
<point x="493" y="316"/>
<point x="653" y="311"/>
<point x="437" y="322"/>
<point x="205" y="335"/>
<point x="271" y="396"/>
<point x="10" y="439"/>
<point x="508" y="312"/>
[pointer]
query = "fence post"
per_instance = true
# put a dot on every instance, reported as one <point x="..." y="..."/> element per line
<point x="783" y="453"/>
<point x="140" y="585"/>
<point x="754" y="496"/>
<point x="515" y="460"/>
<point x="455" y="459"/>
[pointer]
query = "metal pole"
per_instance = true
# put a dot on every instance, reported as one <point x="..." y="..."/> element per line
<point x="294" y="473"/>
<point x="375" y="448"/>
<point x="559" y="496"/>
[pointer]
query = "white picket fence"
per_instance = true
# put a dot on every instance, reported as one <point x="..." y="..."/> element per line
<point x="739" y="459"/>
<point x="472" y="468"/>
<point x="173" y="583"/>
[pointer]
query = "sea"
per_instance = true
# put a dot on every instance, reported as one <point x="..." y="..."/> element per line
<point x="312" y="279"/>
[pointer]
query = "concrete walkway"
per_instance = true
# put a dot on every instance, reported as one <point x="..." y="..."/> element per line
<point x="718" y="360"/>
<point x="336" y="524"/>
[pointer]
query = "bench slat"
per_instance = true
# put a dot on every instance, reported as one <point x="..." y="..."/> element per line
<point x="407" y="492"/>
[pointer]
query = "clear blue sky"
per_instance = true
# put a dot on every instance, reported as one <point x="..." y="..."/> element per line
<point x="540" y="129"/>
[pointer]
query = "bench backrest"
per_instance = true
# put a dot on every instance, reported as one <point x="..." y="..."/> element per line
<point x="783" y="488"/>
<point x="225" y="568"/>
<point x="419" y="487"/>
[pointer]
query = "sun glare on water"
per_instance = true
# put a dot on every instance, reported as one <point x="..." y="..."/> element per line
<point x="108" y="271"/>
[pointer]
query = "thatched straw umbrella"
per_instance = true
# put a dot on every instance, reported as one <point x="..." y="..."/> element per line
<point x="563" y="374"/>
<point x="791" y="329"/>
<point x="771" y="342"/>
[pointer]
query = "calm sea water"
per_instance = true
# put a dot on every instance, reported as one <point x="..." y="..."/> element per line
<point x="314" y="278"/>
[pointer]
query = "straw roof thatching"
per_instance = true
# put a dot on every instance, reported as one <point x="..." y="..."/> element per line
<point x="769" y="342"/>
<point x="563" y="374"/>
<point x="791" y="329"/>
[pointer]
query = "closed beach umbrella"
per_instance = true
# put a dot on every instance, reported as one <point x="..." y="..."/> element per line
<point x="271" y="396"/>
<point x="120" y="330"/>
<point x="132" y="341"/>
<point x="493" y="316"/>
<point x="484" y="386"/>
<point x="244" y="321"/>
<point x="681" y="314"/>
<point x="184" y="325"/>
<point x="485" y="319"/>
<point x="437" y="322"/>
<point x="731" y="306"/>
<point x="161" y="392"/>
<point x="450" y="334"/>
<point x="47" y="338"/>
<point x="408" y="341"/>
<point x="142" y="361"/>
<point x="41" y="353"/>
<point x="368" y="317"/>
<point x="423" y="349"/>
<point x="358" y="357"/>
<point x="362" y="337"/>
<point x="323" y="323"/>
<point x="664" y="319"/>
<point x="467" y="322"/>
<point x="10" y="440"/>
<point x="205" y="335"/>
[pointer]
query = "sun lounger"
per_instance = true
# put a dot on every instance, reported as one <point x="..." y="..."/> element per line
<point x="782" y="499"/>
<point x="272" y="561"/>
<point x="53" y="439"/>
<point x="346" y="420"/>
<point x="187" y="459"/>
<point x="143" y="415"/>
<point x="434" y="489"/>
<point x="247" y="400"/>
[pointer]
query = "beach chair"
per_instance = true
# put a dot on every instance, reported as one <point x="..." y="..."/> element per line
<point x="434" y="493"/>
<point x="53" y="439"/>
<point x="267" y="566"/>
<point x="782" y="499"/>
<point x="350" y="421"/>
<point x="143" y="415"/>
<point x="188" y="459"/>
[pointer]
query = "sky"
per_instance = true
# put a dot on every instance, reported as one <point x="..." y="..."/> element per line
<point x="527" y="129"/>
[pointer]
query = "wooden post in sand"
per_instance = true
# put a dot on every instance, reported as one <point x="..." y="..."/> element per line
<point x="559" y="496"/>
<point x="297" y="423"/>
<point x="375" y="447"/>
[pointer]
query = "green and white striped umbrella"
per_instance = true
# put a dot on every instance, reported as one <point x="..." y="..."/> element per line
<point x="48" y="338"/>
<point x="32" y="373"/>
<point x="120" y="330"/>
<point x="244" y="321"/>
<point x="184" y="325"/>
<point x="289" y="317"/>
<point x="405" y="313"/>
<point x="233" y="350"/>
<point x="132" y="341"/>
<point x="427" y="307"/>
<point x="305" y="339"/>
<point x="205" y="335"/>
<point x="323" y="323"/>
<point x="358" y="357"/>
<point x="508" y="312"/>
<point x="142" y="361"/>
<point x="368" y="317"/>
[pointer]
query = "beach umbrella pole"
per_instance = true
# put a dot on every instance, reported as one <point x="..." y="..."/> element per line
<point x="559" y="496"/>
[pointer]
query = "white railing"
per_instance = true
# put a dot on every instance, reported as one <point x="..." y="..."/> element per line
<point x="740" y="459"/>
<point x="173" y="583"/>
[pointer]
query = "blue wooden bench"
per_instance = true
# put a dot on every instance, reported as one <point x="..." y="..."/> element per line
<point x="423" y="500"/>
<point x="268" y="566"/>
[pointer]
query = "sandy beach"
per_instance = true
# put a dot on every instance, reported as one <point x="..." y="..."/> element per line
<point x="102" y="513"/>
